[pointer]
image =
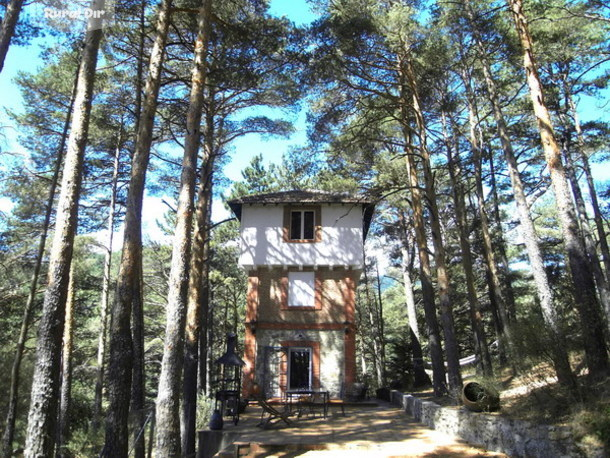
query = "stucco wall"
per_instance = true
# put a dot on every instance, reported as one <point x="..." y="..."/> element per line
<point x="268" y="361"/>
<point x="262" y="238"/>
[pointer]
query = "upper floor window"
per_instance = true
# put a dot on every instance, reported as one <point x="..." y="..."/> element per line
<point x="302" y="224"/>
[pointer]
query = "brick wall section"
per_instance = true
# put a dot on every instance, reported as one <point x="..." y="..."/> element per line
<point x="334" y="297"/>
<point x="334" y="311"/>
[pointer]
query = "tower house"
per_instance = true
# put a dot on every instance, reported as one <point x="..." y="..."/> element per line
<point x="303" y="253"/>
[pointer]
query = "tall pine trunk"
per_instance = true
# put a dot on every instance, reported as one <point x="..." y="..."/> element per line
<point x="138" y="373"/>
<point x="101" y="341"/>
<point x="137" y="310"/>
<point x="66" y="372"/>
<point x="204" y="381"/>
<point x="196" y="289"/>
<point x="41" y="430"/>
<point x="497" y="298"/>
<point x="11" y="414"/>
<point x="530" y="238"/>
<point x="168" y="398"/>
<point x="442" y="275"/>
<point x="128" y="280"/>
<point x="585" y="229"/>
<point x="476" y="318"/>
<point x="597" y="214"/>
<point x="590" y="317"/>
<point x="439" y="381"/>
<point x="7" y="29"/>
<point x="420" y="377"/>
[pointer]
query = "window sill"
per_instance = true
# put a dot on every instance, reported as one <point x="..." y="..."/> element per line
<point x="302" y="308"/>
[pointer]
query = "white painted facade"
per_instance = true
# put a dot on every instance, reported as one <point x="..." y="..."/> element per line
<point x="262" y="242"/>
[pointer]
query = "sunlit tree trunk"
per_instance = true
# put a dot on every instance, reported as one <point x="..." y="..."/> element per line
<point x="425" y="271"/>
<point x="167" y="437"/>
<point x="128" y="280"/>
<point x="530" y="238"/>
<point x="197" y="279"/>
<point x="11" y="413"/>
<point x="137" y="309"/>
<point x="591" y="320"/>
<point x="41" y="430"/>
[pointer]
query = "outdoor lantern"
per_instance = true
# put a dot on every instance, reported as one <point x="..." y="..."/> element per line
<point x="228" y="397"/>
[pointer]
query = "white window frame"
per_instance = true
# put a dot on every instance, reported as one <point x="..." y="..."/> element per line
<point x="302" y="228"/>
<point x="296" y="297"/>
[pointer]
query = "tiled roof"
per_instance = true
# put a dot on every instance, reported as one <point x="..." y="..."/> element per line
<point x="286" y="197"/>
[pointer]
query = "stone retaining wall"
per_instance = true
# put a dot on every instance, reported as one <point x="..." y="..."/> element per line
<point x="516" y="438"/>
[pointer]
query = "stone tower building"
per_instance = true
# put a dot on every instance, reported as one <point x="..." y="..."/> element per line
<point x="303" y="252"/>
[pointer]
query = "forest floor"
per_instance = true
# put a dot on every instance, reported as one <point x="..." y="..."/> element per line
<point x="534" y="395"/>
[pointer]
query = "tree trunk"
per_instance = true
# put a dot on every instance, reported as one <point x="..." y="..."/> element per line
<point x="138" y="374"/>
<point x="168" y="398"/>
<point x="591" y="320"/>
<point x="381" y="327"/>
<point x="101" y="342"/>
<point x="7" y="29"/>
<point x="476" y="319"/>
<point x="66" y="372"/>
<point x="545" y="294"/>
<point x="204" y="347"/>
<point x="439" y="382"/>
<point x="374" y="328"/>
<point x="41" y="431"/>
<point x="11" y="414"/>
<point x="120" y="363"/>
<point x="597" y="214"/>
<point x="596" y="268"/>
<point x="195" y="290"/>
<point x="497" y="299"/>
<point x="442" y="277"/>
<point x="420" y="377"/>
<point x="499" y="239"/>
<point x="138" y="385"/>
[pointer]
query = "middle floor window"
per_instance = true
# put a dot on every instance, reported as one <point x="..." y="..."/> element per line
<point x="301" y="289"/>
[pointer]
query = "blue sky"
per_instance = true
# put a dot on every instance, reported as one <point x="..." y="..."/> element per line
<point x="27" y="59"/>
